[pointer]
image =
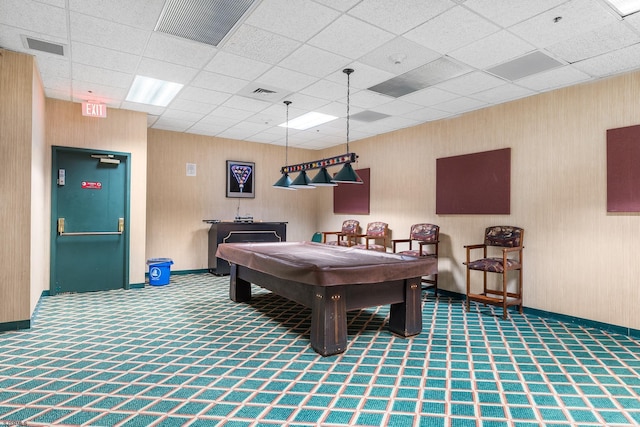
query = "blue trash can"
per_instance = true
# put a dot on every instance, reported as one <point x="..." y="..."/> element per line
<point x="159" y="271"/>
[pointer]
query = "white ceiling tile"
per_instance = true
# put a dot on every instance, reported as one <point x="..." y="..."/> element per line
<point x="578" y="16"/>
<point x="96" y="75"/>
<point x="314" y="61"/>
<point x="232" y="113"/>
<point x="429" y="97"/>
<point x="146" y="108"/>
<point x="471" y="83"/>
<point x="611" y="63"/>
<point x="104" y="58"/>
<point x="100" y="32"/>
<point x="56" y="3"/>
<point x="399" y="19"/>
<point x="350" y="37"/>
<point x="491" y="50"/>
<point x="187" y="116"/>
<point x="558" y="77"/>
<point x="461" y="104"/>
<point x="395" y="107"/>
<point x="367" y="99"/>
<point x="191" y="106"/>
<point x="172" y="124"/>
<point x="236" y="66"/>
<point x="218" y="82"/>
<point x="165" y="71"/>
<point x="504" y="93"/>
<point x="509" y="12"/>
<point x="91" y="90"/>
<point x="176" y="50"/>
<point x="363" y="76"/>
<point x="440" y="35"/>
<point x="54" y="66"/>
<point x="246" y="104"/>
<point x="261" y="45"/>
<point x="142" y="14"/>
<point x="275" y="16"/>
<point x="43" y="18"/>
<point x="399" y="56"/>
<point x="427" y="114"/>
<point x="594" y="43"/>
<point x="286" y="79"/>
<point x="325" y="89"/>
<point x="306" y="102"/>
<point x="342" y="5"/>
<point x="205" y="96"/>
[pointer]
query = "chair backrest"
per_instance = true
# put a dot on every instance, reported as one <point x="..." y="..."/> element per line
<point x="377" y="229"/>
<point x="428" y="233"/>
<point x="505" y="236"/>
<point x="317" y="237"/>
<point x="350" y="226"/>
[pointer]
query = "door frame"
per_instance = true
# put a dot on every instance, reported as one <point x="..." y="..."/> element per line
<point x="55" y="149"/>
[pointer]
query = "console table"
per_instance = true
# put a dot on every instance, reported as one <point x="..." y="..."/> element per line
<point x="240" y="232"/>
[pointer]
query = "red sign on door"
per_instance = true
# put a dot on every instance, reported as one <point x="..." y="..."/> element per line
<point x="87" y="185"/>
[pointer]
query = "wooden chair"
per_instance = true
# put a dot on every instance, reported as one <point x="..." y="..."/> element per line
<point x="508" y="241"/>
<point x="350" y="229"/>
<point x="426" y="237"/>
<point x="376" y="232"/>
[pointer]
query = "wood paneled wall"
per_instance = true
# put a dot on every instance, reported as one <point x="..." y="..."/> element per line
<point x="16" y="80"/>
<point x="177" y="204"/>
<point x="579" y="259"/>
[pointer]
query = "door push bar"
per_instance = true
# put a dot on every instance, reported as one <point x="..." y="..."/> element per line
<point x="90" y="233"/>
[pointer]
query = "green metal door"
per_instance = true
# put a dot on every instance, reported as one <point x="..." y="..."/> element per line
<point x="90" y="219"/>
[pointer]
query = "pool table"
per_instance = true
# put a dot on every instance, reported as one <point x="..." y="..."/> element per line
<point x="331" y="280"/>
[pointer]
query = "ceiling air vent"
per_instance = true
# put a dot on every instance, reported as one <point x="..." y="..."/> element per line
<point x="43" y="46"/>
<point x="204" y="21"/>
<point x="263" y="91"/>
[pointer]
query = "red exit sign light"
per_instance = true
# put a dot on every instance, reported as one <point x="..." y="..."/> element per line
<point x="91" y="109"/>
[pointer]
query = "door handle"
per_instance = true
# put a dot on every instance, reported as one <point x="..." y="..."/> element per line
<point x="61" y="231"/>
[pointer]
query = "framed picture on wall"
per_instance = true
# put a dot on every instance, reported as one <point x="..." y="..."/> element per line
<point x="240" y="179"/>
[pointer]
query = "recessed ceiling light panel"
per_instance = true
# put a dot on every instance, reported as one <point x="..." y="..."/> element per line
<point x="309" y="120"/>
<point x="625" y="7"/>
<point x="527" y="65"/>
<point x="146" y="90"/>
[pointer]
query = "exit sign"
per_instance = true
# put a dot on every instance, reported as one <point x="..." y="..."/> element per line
<point x="91" y="109"/>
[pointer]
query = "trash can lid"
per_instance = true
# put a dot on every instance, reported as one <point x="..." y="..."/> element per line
<point x="159" y="260"/>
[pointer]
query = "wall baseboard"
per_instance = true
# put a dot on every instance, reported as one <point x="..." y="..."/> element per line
<point x="15" y="326"/>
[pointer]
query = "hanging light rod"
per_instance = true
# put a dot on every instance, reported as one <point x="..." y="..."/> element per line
<point x="318" y="164"/>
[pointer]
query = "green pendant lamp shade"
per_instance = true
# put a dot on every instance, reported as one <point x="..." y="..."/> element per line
<point x="323" y="179"/>
<point x="347" y="175"/>
<point x="302" y="182"/>
<point x="284" y="183"/>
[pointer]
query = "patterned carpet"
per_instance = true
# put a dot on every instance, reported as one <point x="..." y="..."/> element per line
<point x="185" y="355"/>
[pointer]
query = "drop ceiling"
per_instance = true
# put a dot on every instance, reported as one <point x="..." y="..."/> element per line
<point x="415" y="61"/>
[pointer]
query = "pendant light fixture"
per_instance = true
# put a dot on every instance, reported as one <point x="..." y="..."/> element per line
<point x="284" y="182"/>
<point x="347" y="175"/>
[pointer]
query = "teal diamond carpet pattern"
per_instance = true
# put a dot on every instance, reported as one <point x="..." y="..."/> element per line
<point x="186" y="355"/>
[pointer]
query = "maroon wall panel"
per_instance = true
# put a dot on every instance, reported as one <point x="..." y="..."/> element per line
<point x="353" y="198"/>
<point x="623" y="169"/>
<point x="478" y="183"/>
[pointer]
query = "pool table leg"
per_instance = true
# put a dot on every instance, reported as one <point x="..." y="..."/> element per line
<point x="405" y="318"/>
<point x="329" y="320"/>
<point x="239" y="289"/>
